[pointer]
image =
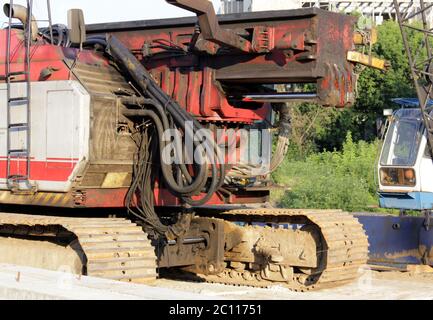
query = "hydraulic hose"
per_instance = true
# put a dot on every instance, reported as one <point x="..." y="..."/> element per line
<point x="163" y="105"/>
<point x="285" y="128"/>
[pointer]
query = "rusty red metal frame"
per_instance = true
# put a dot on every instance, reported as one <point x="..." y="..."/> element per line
<point x="286" y="47"/>
<point x="209" y="26"/>
<point x="211" y="72"/>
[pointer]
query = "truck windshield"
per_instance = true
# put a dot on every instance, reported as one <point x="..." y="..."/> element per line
<point x="402" y="143"/>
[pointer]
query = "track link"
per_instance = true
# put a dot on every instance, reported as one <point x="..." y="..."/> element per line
<point x="113" y="248"/>
<point x="344" y="248"/>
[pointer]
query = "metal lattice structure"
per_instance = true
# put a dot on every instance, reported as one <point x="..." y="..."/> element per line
<point x="371" y="8"/>
<point x="420" y="58"/>
<point x="380" y="7"/>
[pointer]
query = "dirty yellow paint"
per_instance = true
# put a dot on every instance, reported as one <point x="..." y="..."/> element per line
<point x="367" y="60"/>
<point x="114" y="180"/>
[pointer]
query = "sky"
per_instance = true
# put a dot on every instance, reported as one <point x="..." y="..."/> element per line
<point x="97" y="11"/>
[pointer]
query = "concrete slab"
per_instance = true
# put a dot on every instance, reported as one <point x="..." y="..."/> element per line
<point x="18" y="282"/>
<point x="370" y="286"/>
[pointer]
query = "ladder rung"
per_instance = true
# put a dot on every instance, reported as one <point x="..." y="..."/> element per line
<point x="19" y="99"/>
<point x="18" y="178"/>
<point x="19" y="151"/>
<point x="19" y="126"/>
<point x="17" y="81"/>
<point x="17" y="73"/>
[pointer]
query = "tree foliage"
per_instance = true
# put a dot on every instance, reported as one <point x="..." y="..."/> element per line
<point x="344" y="176"/>
<point x="375" y="90"/>
<point x="338" y="179"/>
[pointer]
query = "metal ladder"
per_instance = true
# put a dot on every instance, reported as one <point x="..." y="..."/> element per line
<point x="420" y="59"/>
<point x="18" y="151"/>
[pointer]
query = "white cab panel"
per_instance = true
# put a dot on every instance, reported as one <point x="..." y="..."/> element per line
<point x="59" y="132"/>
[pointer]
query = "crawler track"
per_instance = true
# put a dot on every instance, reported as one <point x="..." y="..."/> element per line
<point x="118" y="249"/>
<point x="113" y="248"/>
<point x="343" y="249"/>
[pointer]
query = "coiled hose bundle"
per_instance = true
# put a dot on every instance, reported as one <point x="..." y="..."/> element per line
<point x="202" y="178"/>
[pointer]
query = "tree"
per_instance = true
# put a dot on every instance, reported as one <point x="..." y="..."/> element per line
<point x="374" y="93"/>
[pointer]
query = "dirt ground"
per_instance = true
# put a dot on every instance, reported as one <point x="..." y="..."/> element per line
<point x="19" y="282"/>
<point x="371" y="285"/>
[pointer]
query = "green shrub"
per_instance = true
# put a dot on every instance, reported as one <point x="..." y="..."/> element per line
<point x="338" y="180"/>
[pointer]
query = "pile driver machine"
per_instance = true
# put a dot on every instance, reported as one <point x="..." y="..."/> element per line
<point x="129" y="149"/>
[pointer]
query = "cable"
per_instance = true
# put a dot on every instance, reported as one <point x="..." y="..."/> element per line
<point x="176" y="176"/>
<point x="284" y="132"/>
<point x="139" y="201"/>
<point x="61" y="36"/>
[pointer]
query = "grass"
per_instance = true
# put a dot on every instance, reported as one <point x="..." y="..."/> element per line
<point x="331" y="180"/>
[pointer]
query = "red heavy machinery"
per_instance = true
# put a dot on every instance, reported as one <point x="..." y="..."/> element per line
<point x="83" y="178"/>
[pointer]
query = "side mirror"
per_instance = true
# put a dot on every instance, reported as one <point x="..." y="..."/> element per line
<point x="387" y="112"/>
<point x="76" y="26"/>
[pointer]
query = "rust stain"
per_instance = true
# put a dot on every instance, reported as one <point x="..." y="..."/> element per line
<point x="405" y="253"/>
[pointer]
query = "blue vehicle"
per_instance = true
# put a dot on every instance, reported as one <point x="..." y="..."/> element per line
<point x="405" y="165"/>
<point x="405" y="176"/>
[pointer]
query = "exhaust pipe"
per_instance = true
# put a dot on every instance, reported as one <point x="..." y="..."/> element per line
<point x="20" y="12"/>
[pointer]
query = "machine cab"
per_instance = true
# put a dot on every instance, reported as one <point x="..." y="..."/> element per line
<point x="405" y="166"/>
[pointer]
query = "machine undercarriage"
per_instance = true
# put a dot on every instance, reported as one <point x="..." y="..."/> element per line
<point x="104" y="194"/>
<point x="325" y="249"/>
